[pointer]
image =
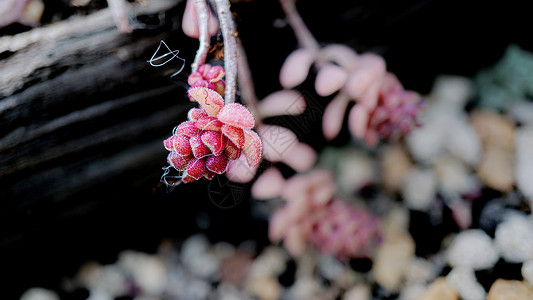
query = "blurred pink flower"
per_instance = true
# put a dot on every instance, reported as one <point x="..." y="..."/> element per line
<point x="312" y="216"/>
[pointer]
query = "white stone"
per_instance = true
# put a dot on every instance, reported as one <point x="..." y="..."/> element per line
<point x="454" y="177"/>
<point x="474" y="249"/>
<point x="420" y="271"/>
<point x="271" y="262"/>
<point x="358" y="292"/>
<point x="39" y="294"/>
<point x="452" y="90"/>
<point x="463" y="141"/>
<point x="514" y="238"/>
<point x="148" y="271"/>
<point x="412" y="291"/>
<point x="464" y="281"/>
<point x="355" y="169"/>
<point x="419" y="189"/>
<point x="524" y="162"/>
<point x="197" y="258"/>
<point x="527" y="271"/>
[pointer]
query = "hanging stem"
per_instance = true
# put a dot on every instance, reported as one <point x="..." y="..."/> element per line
<point x="227" y="26"/>
<point x="202" y="12"/>
<point x="302" y="33"/>
<point x="246" y="86"/>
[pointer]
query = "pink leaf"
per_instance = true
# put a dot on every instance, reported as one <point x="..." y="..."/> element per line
<point x="209" y="175"/>
<point x="189" y="23"/>
<point x="301" y="157"/>
<point x="278" y="225"/>
<point x="269" y="184"/>
<point x="234" y="134"/>
<point x="169" y="143"/>
<point x="210" y="100"/>
<point x="276" y="141"/>
<point x="215" y="73"/>
<point x="182" y="145"/>
<point x="358" y="121"/>
<point x="209" y="123"/>
<point x="188" y="128"/>
<point x="231" y="150"/>
<point x="236" y="115"/>
<point x="177" y="161"/>
<point x="199" y="149"/>
<point x="295" y="241"/>
<point x="214" y="141"/>
<point x="296" y="67"/>
<point x="217" y="164"/>
<point x="330" y="78"/>
<point x="239" y="170"/>
<point x="284" y="102"/>
<point x="196" y="168"/>
<point x="195" y="114"/>
<point x="334" y="116"/>
<point x="342" y="55"/>
<point x="371" y="69"/>
<point x="252" y="148"/>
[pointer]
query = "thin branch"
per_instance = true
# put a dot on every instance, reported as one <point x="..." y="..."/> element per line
<point x="202" y="12"/>
<point x="302" y="33"/>
<point x="227" y="26"/>
<point x="246" y="85"/>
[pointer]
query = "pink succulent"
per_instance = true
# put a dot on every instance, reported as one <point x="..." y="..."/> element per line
<point x="214" y="135"/>
<point x="210" y="77"/>
<point x="312" y="216"/>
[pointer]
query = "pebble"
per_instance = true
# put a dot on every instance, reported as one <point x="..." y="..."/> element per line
<point x="514" y="238"/>
<point x="524" y="162"/>
<point x="463" y="280"/>
<point x="510" y="290"/>
<point x="496" y="169"/>
<point x="148" y="271"/>
<point x="440" y="289"/>
<point x="195" y="256"/>
<point x="395" y="165"/>
<point x="473" y="249"/>
<point x="494" y="130"/>
<point x="264" y="288"/>
<point x="39" y="294"/>
<point x="527" y="271"/>
<point x="420" y="271"/>
<point x="394" y="256"/>
<point x="358" y="292"/>
<point x="454" y="177"/>
<point x="419" y="189"/>
<point x="412" y="291"/>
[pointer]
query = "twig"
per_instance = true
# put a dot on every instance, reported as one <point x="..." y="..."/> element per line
<point x="227" y="26"/>
<point x="302" y="33"/>
<point x="246" y="86"/>
<point x="202" y="12"/>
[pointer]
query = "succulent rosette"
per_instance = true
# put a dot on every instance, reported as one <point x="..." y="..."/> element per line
<point x="214" y="134"/>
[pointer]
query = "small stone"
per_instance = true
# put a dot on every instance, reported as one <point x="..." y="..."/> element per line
<point x="420" y="271"/>
<point x="510" y="289"/>
<point x="464" y="281"/>
<point x="454" y="177"/>
<point x="197" y="259"/>
<point x="358" y="292"/>
<point x="494" y="130"/>
<point x="355" y="170"/>
<point x="412" y="291"/>
<point x="264" y="288"/>
<point x="474" y="249"/>
<point x="270" y="263"/>
<point x="524" y="162"/>
<point x="394" y="256"/>
<point x="419" y="188"/>
<point x="395" y="165"/>
<point x="440" y="289"/>
<point x="39" y="294"/>
<point x="527" y="271"/>
<point x="496" y="169"/>
<point x="514" y="238"/>
<point x="148" y="271"/>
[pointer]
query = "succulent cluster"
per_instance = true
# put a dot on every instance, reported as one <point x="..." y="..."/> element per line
<point x="313" y="216"/>
<point x="215" y="133"/>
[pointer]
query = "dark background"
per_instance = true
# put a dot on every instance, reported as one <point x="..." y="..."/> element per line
<point x="53" y="219"/>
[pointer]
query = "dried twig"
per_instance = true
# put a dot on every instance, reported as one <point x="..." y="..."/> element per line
<point x="227" y="26"/>
<point x="202" y="12"/>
